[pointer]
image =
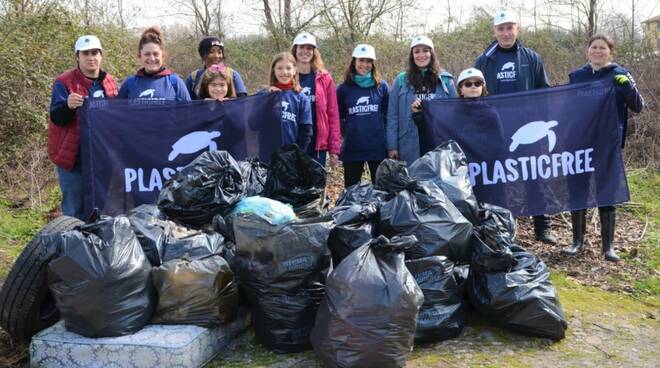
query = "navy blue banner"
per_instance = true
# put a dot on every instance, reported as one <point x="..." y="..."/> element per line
<point x="538" y="152"/>
<point x="129" y="148"/>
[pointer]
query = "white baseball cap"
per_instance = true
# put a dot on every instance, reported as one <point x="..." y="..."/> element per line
<point x="421" y="40"/>
<point x="305" y="38"/>
<point x="504" y="16"/>
<point x="364" y="51"/>
<point x="88" y="42"/>
<point x="470" y="73"/>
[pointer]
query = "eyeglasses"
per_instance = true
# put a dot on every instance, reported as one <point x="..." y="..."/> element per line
<point x="476" y="84"/>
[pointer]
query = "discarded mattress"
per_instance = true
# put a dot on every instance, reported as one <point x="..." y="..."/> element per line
<point x="154" y="346"/>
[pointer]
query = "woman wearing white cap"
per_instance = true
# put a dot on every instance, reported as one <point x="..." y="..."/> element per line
<point x="422" y="80"/>
<point x="70" y="90"/>
<point x="318" y="85"/>
<point x="362" y="100"/>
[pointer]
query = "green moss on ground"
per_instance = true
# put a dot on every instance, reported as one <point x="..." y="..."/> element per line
<point x="644" y="190"/>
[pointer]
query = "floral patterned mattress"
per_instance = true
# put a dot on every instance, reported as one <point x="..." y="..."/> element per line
<point x="153" y="346"/>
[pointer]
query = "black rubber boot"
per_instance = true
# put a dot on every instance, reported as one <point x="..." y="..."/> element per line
<point x="607" y="224"/>
<point x="579" y="222"/>
<point x="542" y="232"/>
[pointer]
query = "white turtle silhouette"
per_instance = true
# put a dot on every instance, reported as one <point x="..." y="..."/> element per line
<point x="193" y="142"/>
<point x="509" y="65"/>
<point x="534" y="132"/>
<point x="98" y="94"/>
<point x="363" y="99"/>
<point x="306" y="91"/>
<point x="148" y="93"/>
<point x="285" y="105"/>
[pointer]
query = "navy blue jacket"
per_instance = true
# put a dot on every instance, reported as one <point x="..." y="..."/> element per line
<point x="531" y="72"/>
<point x="627" y="95"/>
<point x="362" y="113"/>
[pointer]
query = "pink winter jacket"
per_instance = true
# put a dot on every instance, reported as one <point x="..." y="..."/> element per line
<point x="327" y="114"/>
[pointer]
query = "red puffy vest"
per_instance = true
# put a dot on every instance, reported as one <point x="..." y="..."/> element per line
<point x="64" y="141"/>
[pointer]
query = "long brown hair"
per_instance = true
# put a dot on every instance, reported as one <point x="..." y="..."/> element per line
<point x="316" y="62"/>
<point x="208" y="77"/>
<point x="350" y="69"/>
<point x="286" y="56"/>
<point x="428" y="79"/>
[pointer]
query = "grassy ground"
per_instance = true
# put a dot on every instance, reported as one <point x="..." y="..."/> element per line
<point x="606" y="329"/>
<point x="645" y="196"/>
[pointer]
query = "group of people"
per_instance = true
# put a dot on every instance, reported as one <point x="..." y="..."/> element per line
<point x="362" y="121"/>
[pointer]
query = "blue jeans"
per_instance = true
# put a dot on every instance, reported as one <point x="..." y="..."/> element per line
<point x="71" y="184"/>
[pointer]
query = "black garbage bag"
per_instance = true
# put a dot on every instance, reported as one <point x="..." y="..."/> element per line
<point x="521" y="298"/>
<point x="442" y="316"/>
<point x="193" y="244"/>
<point x="223" y="226"/>
<point x="368" y="316"/>
<point x="151" y="230"/>
<point x="354" y="228"/>
<point x="447" y="167"/>
<point x="428" y="214"/>
<point x="297" y="179"/>
<point x="254" y="173"/>
<point x="490" y="253"/>
<point x="496" y="222"/>
<point x="282" y="271"/>
<point x="101" y="279"/>
<point x="392" y="176"/>
<point x="208" y="186"/>
<point x="361" y="193"/>
<point x="199" y="292"/>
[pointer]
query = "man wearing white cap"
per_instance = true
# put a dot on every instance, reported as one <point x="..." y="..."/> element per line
<point x="509" y="67"/>
<point x="70" y="90"/>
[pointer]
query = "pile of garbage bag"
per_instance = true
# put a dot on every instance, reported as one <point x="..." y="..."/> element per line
<point x="101" y="279"/>
<point x="195" y="291"/>
<point x="406" y="257"/>
<point x="369" y="313"/>
<point x="282" y="271"/>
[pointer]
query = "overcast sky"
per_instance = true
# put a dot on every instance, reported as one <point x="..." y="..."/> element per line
<point x="245" y="15"/>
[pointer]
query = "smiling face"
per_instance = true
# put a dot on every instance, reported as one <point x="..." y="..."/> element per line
<point x="471" y="87"/>
<point x="304" y="54"/>
<point x="89" y="62"/>
<point x="599" y="53"/>
<point x="151" y="57"/>
<point x="506" y="34"/>
<point x="363" y="65"/>
<point x="218" y="88"/>
<point x="215" y="56"/>
<point x="284" y="71"/>
<point x="421" y="56"/>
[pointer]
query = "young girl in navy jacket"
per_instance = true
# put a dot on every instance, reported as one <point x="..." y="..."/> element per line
<point x="296" y="118"/>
